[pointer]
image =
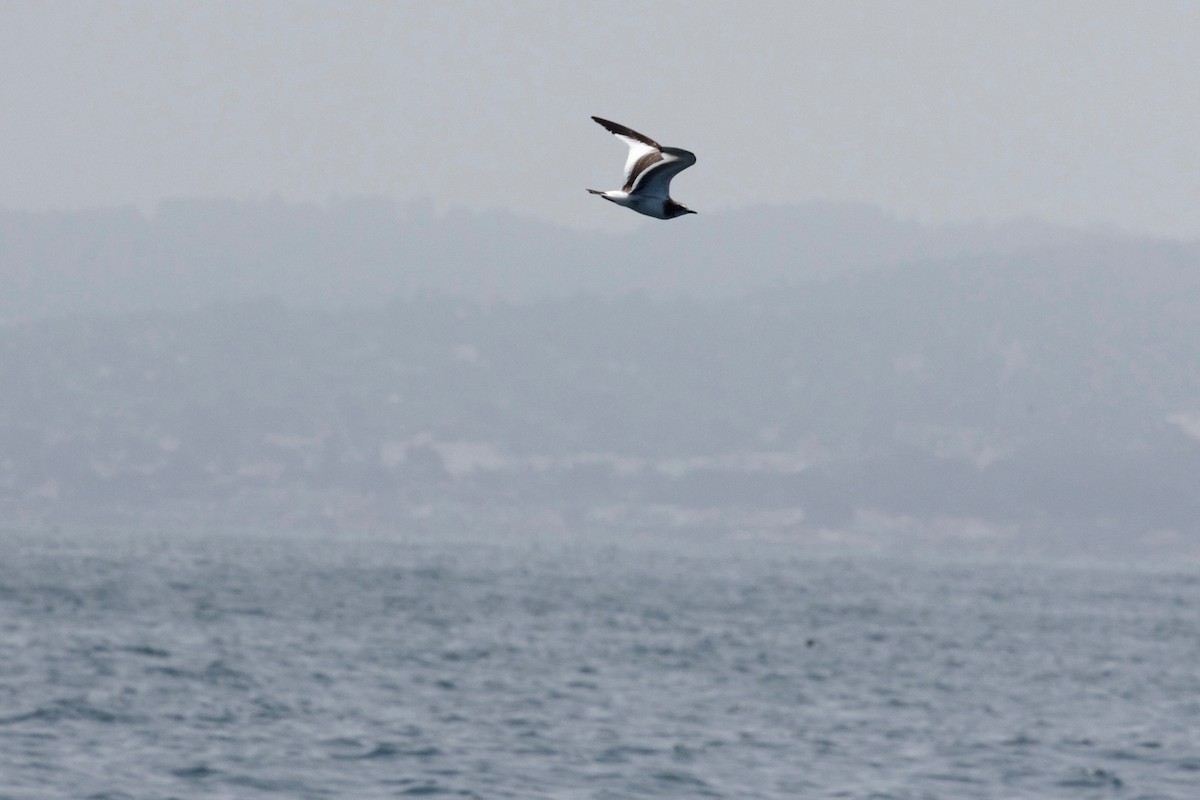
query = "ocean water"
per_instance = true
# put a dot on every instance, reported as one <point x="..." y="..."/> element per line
<point x="185" y="666"/>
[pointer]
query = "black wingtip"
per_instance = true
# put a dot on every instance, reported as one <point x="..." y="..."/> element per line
<point x="621" y="130"/>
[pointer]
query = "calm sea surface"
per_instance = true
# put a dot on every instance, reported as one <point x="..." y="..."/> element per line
<point x="190" y="667"/>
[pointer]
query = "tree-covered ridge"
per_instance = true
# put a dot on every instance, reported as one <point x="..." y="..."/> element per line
<point x="1059" y="388"/>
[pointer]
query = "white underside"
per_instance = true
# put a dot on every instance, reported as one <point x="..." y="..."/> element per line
<point x="650" y="206"/>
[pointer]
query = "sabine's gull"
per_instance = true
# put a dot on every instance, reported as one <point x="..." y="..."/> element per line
<point x="648" y="173"/>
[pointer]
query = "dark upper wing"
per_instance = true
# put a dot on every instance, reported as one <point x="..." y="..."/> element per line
<point x="628" y="133"/>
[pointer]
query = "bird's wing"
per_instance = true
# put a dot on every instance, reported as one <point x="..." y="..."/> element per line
<point x="655" y="181"/>
<point x="644" y="152"/>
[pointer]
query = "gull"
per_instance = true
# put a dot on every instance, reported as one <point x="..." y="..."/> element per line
<point x="648" y="173"/>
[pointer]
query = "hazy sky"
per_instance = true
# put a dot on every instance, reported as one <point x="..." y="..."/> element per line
<point x="1077" y="112"/>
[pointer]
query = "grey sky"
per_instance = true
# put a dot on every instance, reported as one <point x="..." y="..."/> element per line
<point x="1076" y="112"/>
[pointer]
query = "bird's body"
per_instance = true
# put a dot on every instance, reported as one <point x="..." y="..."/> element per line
<point x="648" y="173"/>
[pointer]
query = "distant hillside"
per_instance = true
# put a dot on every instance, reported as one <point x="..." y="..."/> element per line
<point x="1039" y="400"/>
<point x="369" y="251"/>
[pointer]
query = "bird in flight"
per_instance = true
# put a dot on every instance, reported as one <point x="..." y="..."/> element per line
<point x="648" y="173"/>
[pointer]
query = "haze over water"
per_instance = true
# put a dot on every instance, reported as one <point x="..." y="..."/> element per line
<point x="348" y="448"/>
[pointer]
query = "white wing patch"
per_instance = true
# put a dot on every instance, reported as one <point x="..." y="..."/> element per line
<point x="637" y="151"/>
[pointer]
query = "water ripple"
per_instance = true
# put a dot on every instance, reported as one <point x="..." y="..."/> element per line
<point x="380" y="669"/>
